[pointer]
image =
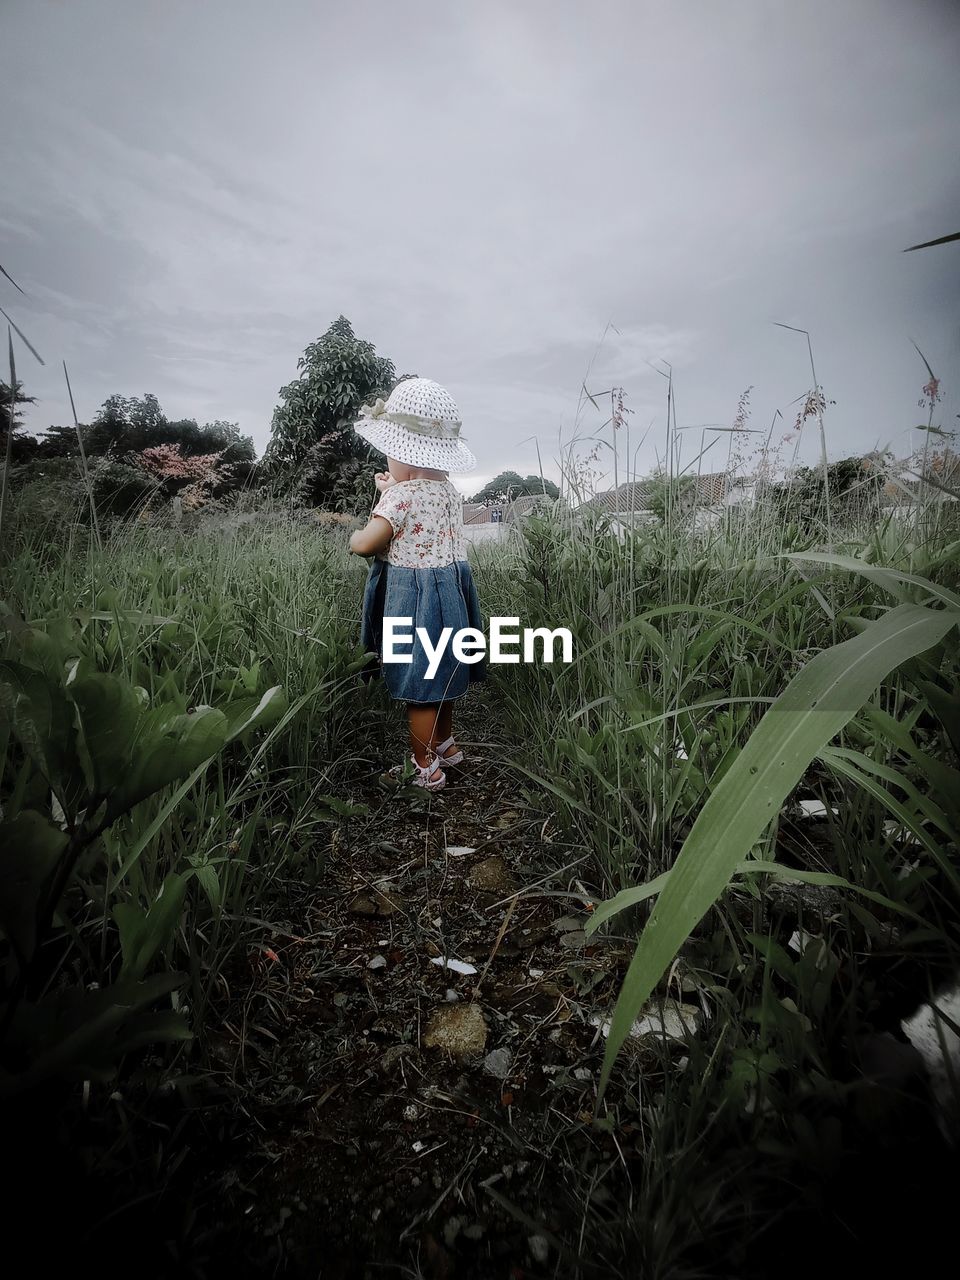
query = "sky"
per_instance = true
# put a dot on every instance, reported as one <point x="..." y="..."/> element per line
<point x="519" y="200"/>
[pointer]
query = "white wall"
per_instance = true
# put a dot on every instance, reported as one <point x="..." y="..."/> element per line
<point x="476" y="533"/>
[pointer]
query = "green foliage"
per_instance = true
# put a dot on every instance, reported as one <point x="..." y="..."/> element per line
<point x="814" y="707"/>
<point x="854" y="485"/>
<point x="313" y="448"/>
<point x="120" y="489"/>
<point x="666" y="493"/>
<point x="82" y="748"/>
<point x="509" y="485"/>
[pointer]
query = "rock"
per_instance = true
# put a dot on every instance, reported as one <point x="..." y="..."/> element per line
<point x="393" y="1056"/>
<point x="574" y="940"/>
<point x="539" y="1247"/>
<point x="492" y="874"/>
<point x="410" y="1112"/>
<point x="378" y="962"/>
<point x="676" y="1023"/>
<point x="455" y="966"/>
<point x="374" y="904"/>
<point x="452" y="1230"/>
<point x="566" y="924"/>
<point x="497" y="1063"/>
<point x="459" y="1029"/>
<point x="528" y="938"/>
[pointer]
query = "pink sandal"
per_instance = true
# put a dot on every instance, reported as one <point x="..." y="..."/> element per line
<point x="455" y="759"/>
<point x="431" y="777"/>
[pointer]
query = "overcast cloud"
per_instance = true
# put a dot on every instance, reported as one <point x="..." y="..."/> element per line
<point x="192" y="193"/>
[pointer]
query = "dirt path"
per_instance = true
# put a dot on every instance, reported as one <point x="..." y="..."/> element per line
<point x="405" y="1114"/>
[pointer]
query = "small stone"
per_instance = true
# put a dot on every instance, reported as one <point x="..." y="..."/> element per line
<point x="378" y="962"/>
<point x="539" y="1249"/>
<point x="374" y="904"/>
<point x="452" y="996"/>
<point x="460" y="1029"/>
<point x="574" y="940"/>
<point x="566" y="924"/>
<point x="492" y="874"/>
<point x="392" y="1057"/>
<point x="410" y="1112"/>
<point x="452" y="1230"/>
<point x="497" y="1063"/>
<point x="583" y="1073"/>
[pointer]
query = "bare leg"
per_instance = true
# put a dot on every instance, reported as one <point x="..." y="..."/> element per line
<point x="445" y="728"/>
<point x="422" y="719"/>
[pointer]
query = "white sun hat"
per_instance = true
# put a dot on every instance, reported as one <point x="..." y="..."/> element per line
<point x="419" y="424"/>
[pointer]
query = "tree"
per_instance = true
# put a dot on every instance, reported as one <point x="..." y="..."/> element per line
<point x="22" y="446"/>
<point x="665" y="492"/>
<point x="855" y="484"/>
<point x="313" y="448"/>
<point x="509" y="485"/>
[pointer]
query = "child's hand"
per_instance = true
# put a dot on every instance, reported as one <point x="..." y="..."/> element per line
<point x="384" y="481"/>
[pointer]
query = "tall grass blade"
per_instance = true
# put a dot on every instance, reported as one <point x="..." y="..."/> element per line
<point x="23" y="338"/>
<point x="13" y="408"/>
<point x="3" y="271"/>
<point x="83" y="461"/>
<point x="928" y="244"/>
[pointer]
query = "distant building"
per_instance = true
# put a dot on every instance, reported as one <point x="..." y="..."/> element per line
<point x="706" y="496"/>
<point x="485" y="523"/>
<point x="505" y="512"/>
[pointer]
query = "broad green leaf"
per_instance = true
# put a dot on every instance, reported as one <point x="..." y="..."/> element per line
<point x="207" y="875"/>
<point x="143" y="936"/>
<point x="32" y="846"/>
<point x="245" y="713"/>
<point x="816" y="704"/>
<point x="165" y="751"/>
<point x="109" y="710"/>
<point x="42" y="718"/>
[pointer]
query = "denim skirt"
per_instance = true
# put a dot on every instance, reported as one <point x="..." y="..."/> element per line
<point x="433" y="599"/>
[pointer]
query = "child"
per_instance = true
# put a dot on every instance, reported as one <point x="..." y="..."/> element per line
<point x="421" y="570"/>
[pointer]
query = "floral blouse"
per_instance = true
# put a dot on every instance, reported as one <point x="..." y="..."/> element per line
<point x="427" y="521"/>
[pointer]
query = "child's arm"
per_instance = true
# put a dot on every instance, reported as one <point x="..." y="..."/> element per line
<point x="375" y="536"/>
<point x="378" y="532"/>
